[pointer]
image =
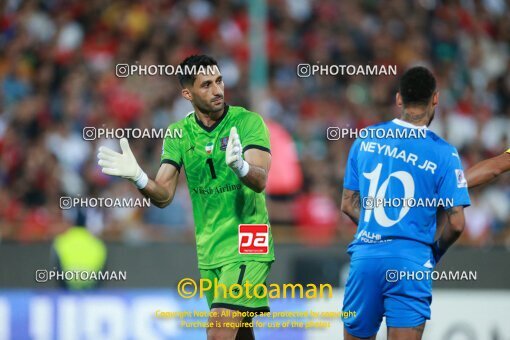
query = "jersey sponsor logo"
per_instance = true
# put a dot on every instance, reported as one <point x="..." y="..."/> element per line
<point x="217" y="190"/>
<point x="209" y="147"/>
<point x="461" y="180"/>
<point x="253" y="239"/>
<point x="369" y="237"/>
<point x="223" y="143"/>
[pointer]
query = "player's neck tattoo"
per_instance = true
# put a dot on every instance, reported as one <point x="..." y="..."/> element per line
<point x="415" y="118"/>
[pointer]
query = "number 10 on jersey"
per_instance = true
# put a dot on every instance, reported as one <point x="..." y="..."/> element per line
<point x="378" y="193"/>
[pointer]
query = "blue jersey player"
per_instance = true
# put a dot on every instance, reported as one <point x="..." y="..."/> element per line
<point x="395" y="183"/>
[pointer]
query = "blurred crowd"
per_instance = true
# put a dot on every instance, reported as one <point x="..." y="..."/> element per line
<point x="57" y="76"/>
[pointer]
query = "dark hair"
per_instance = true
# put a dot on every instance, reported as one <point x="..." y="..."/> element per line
<point x="417" y="86"/>
<point x="186" y="78"/>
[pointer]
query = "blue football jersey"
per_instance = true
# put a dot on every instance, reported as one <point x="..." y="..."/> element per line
<point x="403" y="173"/>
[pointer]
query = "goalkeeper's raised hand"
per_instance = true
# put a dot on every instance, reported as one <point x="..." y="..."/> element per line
<point x="233" y="155"/>
<point x="122" y="164"/>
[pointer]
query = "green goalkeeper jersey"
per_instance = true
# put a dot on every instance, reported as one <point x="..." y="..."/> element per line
<point x="221" y="202"/>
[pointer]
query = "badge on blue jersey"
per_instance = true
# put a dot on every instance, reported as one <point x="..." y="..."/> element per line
<point x="461" y="180"/>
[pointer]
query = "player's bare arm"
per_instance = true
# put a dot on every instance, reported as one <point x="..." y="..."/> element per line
<point x="260" y="163"/>
<point x="480" y="174"/>
<point x="487" y="170"/>
<point x="351" y="204"/>
<point x="451" y="231"/>
<point x="160" y="191"/>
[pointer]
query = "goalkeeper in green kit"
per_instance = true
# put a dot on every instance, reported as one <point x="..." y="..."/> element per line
<point x="225" y="153"/>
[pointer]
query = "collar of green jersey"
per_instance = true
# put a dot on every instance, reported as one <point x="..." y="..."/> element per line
<point x="212" y="127"/>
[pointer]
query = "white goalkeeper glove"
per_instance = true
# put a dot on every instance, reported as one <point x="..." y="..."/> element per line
<point x="233" y="156"/>
<point x="122" y="165"/>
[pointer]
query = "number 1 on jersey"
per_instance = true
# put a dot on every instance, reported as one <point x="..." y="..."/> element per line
<point x="209" y="161"/>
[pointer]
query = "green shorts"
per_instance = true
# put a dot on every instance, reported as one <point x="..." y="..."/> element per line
<point x="240" y="286"/>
